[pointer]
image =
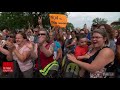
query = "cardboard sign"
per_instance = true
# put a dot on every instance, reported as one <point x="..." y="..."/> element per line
<point x="58" y="20"/>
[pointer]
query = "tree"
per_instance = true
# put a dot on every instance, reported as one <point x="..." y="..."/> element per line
<point x="70" y="26"/>
<point x="100" y="21"/>
<point x="18" y="20"/>
<point x="119" y="19"/>
<point x="116" y="24"/>
<point x="13" y="20"/>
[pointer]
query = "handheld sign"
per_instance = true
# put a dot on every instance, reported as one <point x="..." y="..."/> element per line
<point x="58" y="20"/>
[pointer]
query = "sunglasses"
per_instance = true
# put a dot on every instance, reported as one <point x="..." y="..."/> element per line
<point x="11" y="36"/>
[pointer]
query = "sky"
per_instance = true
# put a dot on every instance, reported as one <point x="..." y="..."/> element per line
<point x="78" y="19"/>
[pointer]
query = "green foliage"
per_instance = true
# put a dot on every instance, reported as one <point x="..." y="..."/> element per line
<point x="116" y="26"/>
<point x="99" y="21"/>
<point x="70" y="26"/>
<point x="18" y="20"/>
<point x="119" y="19"/>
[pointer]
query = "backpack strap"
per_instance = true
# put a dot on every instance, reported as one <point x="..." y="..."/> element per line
<point x="51" y="66"/>
<point x="39" y="66"/>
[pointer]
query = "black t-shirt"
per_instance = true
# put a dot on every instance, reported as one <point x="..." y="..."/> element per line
<point x="3" y="56"/>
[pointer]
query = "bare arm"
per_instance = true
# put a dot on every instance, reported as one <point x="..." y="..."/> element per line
<point x="52" y="30"/>
<point x="47" y="52"/>
<point x="33" y="50"/>
<point x="82" y="72"/>
<point x="102" y="59"/>
<point x="6" y="52"/>
<point x="72" y="43"/>
<point x="59" y="54"/>
<point x="40" y="22"/>
<point x="80" y="57"/>
<point x="22" y="57"/>
<point x="69" y="45"/>
<point x="86" y="56"/>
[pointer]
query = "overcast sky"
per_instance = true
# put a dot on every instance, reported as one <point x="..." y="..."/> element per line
<point x="78" y="19"/>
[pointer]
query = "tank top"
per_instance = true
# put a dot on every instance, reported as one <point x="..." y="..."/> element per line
<point x="106" y="72"/>
<point x="44" y="61"/>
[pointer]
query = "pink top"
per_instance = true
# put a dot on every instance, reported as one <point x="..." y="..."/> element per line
<point x="24" y="66"/>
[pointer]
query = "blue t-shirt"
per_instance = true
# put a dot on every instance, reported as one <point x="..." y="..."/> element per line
<point x="57" y="46"/>
<point x="89" y="36"/>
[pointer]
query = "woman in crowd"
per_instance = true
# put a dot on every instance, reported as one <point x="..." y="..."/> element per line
<point x="98" y="59"/>
<point x="21" y="53"/>
<point x="5" y="55"/>
<point x="109" y="31"/>
<point x="115" y="35"/>
<point x="46" y="52"/>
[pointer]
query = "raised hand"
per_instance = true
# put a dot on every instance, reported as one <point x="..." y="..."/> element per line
<point x="71" y="57"/>
<point x="10" y="45"/>
<point x="30" y="45"/>
<point x="87" y="56"/>
<point x="40" y="20"/>
<point x="41" y="40"/>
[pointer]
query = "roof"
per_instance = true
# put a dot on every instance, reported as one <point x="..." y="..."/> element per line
<point x="115" y="23"/>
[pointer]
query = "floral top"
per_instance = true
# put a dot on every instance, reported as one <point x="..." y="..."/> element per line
<point x="106" y="72"/>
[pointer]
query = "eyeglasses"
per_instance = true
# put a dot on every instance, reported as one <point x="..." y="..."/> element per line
<point x="41" y="34"/>
<point x="96" y="37"/>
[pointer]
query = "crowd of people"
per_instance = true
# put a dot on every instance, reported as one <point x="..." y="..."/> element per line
<point x="41" y="51"/>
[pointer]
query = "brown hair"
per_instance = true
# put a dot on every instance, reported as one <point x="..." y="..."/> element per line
<point x="23" y="34"/>
<point x="117" y="31"/>
<point x="108" y="29"/>
<point x="82" y="35"/>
